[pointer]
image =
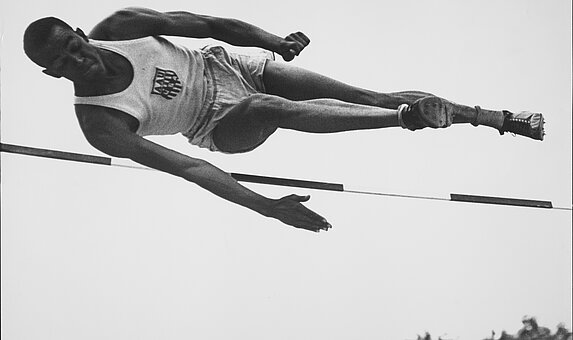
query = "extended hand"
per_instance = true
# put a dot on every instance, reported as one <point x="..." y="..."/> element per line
<point x="289" y="210"/>
<point x="292" y="45"/>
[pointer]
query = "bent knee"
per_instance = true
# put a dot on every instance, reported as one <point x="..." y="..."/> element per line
<point x="262" y="107"/>
<point x="246" y="126"/>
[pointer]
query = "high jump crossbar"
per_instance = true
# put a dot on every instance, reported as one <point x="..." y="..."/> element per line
<point x="278" y="181"/>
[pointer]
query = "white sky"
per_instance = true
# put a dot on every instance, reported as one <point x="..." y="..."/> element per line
<point x="94" y="252"/>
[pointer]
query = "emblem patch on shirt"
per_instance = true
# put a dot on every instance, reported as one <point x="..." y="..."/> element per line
<point x="166" y="83"/>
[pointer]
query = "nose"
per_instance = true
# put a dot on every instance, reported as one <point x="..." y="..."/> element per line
<point x="77" y="59"/>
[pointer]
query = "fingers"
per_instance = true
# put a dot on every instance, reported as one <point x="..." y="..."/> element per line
<point x="296" y="46"/>
<point x="312" y="226"/>
<point x="300" y="38"/>
<point x="289" y="210"/>
<point x="295" y="42"/>
<point x="312" y="221"/>
<point x="301" y="217"/>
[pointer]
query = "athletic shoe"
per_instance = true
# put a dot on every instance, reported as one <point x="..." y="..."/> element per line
<point x="525" y="123"/>
<point x="429" y="111"/>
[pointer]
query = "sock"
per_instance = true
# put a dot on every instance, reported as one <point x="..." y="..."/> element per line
<point x="401" y="109"/>
<point x="489" y="118"/>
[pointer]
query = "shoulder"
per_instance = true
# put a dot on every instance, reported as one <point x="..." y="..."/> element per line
<point x="109" y="130"/>
<point x="95" y="119"/>
<point x="128" y="23"/>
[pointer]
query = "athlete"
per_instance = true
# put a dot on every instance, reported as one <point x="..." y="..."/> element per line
<point x="131" y="82"/>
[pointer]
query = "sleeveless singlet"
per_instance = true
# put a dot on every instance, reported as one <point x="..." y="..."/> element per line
<point x="168" y="88"/>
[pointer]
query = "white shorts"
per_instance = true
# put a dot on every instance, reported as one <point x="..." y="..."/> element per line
<point x="230" y="78"/>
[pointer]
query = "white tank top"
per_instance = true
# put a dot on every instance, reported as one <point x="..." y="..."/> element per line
<point x="168" y="87"/>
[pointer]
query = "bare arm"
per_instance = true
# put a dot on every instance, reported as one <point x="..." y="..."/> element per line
<point x="111" y="134"/>
<point x="132" y="23"/>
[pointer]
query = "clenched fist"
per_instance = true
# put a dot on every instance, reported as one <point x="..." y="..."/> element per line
<point x="292" y="45"/>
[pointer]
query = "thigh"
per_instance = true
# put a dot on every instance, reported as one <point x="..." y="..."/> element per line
<point x="296" y="83"/>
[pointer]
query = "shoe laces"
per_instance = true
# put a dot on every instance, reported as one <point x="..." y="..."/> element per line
<point x="525" y="123"/>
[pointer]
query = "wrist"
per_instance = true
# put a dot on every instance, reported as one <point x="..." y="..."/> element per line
<point x="264" y="206"/>
<point x="275" y="44"/>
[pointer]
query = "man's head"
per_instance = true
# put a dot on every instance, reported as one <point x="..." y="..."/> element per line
<point x="62" y="52"/>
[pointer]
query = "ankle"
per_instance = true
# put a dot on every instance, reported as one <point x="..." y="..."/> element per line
<point x="489" y="118"/>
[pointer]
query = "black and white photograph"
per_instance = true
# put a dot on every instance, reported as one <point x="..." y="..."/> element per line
<point x="293" y="170"/>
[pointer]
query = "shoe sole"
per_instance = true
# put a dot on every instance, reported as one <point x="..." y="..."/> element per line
<point x="541" y="129"/>
<point x="436" y="112"/>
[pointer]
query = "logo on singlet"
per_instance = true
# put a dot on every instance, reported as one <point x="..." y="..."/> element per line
<point x="166" y="83"/>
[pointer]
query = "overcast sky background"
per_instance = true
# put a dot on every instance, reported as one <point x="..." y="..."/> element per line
<point x="91" y="252"/>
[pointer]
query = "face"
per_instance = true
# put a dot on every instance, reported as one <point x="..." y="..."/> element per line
<point x="68" y="54"/>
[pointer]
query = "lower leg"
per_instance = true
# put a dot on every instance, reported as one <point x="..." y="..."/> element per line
<point x="476" y="116"/>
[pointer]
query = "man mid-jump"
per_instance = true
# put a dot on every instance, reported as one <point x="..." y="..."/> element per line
<point x="131" y="82"/>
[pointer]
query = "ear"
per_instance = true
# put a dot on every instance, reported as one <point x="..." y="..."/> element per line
<point x="52" y="74"/>
<point x="81" y="34"/>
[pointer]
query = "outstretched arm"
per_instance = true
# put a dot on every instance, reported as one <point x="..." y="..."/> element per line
<point x="112" y="136"/>
<point x="133" y="23"/>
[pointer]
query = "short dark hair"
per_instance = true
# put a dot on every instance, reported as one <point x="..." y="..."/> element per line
<point x="38" y="32"/>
